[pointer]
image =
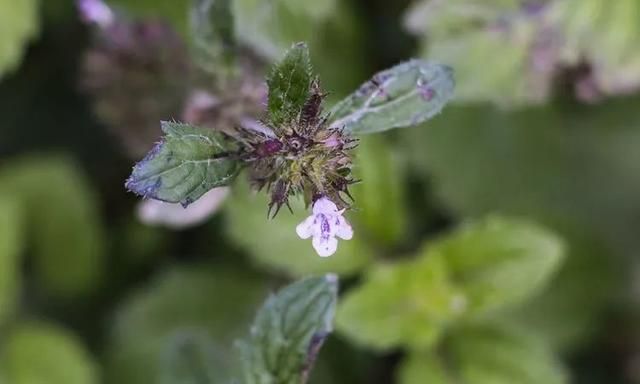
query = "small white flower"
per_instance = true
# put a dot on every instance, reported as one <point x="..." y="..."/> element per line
<point x="95" y="11"/>
<point x="324" y="225"/>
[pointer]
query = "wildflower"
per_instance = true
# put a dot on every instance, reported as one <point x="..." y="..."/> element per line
<point x="324" y="225"/>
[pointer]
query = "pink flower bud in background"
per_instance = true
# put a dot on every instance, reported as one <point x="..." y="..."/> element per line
<point x="174" y="216"/>
<point x="95" y="12"/>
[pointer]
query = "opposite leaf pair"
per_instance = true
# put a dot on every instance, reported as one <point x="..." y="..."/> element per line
<point x="297" y="149"/>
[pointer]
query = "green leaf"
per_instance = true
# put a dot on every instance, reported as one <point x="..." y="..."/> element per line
<point x="213" y="37"/>
<point x="20" y="24"/>
<point x="289" y="83"/>
<point x="274" y="244"/>
<point x="383" y="193"/>
<point x="567" y="312"/>
<point x="405" y="95"/>
<point x="288" y="332"/>
<point x="403" y="304"/>
<point x="11" y="244"/>
<point x="39" y="353"/>
<point x="270" y="27"/>
<point x="213" y="304"/>
<point x="498" y="34"/>
<point x="192" y="358"/>
<point x="499" y="262"/>
<point x="478" y="269"/>
<point x="486" y="354"/>
<point x="62" y="220"/>
<point x="186" y="164"/>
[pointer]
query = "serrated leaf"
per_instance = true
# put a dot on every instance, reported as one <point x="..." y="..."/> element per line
<point x="405" y="95"/>
<point x="39" y="353"/>
<point x="499" y="262"/>
<point x="288" y="332"/>
<point x="476" y="270"/>
<point x="213" y="37"/>
<point x="402" y="304"/>
<point x="186" y="164"/>
<point x="19" y="23"/>
<point x="181" y="304"/>
<point x="486" y="354"/>
<point x="62" y="221"/>
<point x="274" y="244"/>
<point x="289" y="83"/>
<point x="11" y="244"/>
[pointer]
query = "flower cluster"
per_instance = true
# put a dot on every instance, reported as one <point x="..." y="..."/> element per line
<point x="303" y="156"/>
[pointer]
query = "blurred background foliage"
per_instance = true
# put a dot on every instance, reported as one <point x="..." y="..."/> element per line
<point x="495" y="244"/>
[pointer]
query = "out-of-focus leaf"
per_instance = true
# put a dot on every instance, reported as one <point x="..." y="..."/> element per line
<point x="288" y="332"/>
<point x="11" y="243"/>
<point x="62" y="220"/>
<point x="192" y="358"/>
<point x="38" y="353"/>
<point x="403" y="304"/>
<point x="570" y="165"/>
<point x="380" y="199"/>
<point x="269" y="27"/>
<point x="19" y="23"/>
<point x="405" y="95"/>
<point x="606" y="35"/>
<point x="487" y="354"/>
<point x="274" y="243"/>
<point x="498" y="34"/>
<point x="188" y="162"/>
<point x="213" y="36"/>
<point x="499" y="262"/>
<point x="423" y="368"/>
<point x="289" y="83"/>
<point x="212" y="304"/>
<point x="566" y="313"/>
<point x="478" y="269"/>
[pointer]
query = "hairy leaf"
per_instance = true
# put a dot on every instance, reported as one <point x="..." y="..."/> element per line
<point x="289" y="331"/>
<point x="186" y="164"/>
<point x="39" y="353"/>
<point x="405" y="95"/>
<point x="289" y="82"/>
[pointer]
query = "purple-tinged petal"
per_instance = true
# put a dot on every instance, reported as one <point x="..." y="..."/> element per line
<point x="343" y="229"/>
<point x="306" y="228"/>
<point x="325" y="246"/>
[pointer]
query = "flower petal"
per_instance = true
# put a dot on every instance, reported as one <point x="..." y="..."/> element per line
<point x="343" y="229"/>
<point x="325" y="246"/>
<point x="324" y="206"/>
<point x="305" y="229"/>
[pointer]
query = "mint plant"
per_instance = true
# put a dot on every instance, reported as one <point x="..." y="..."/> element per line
<point x="296" y="149"/>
